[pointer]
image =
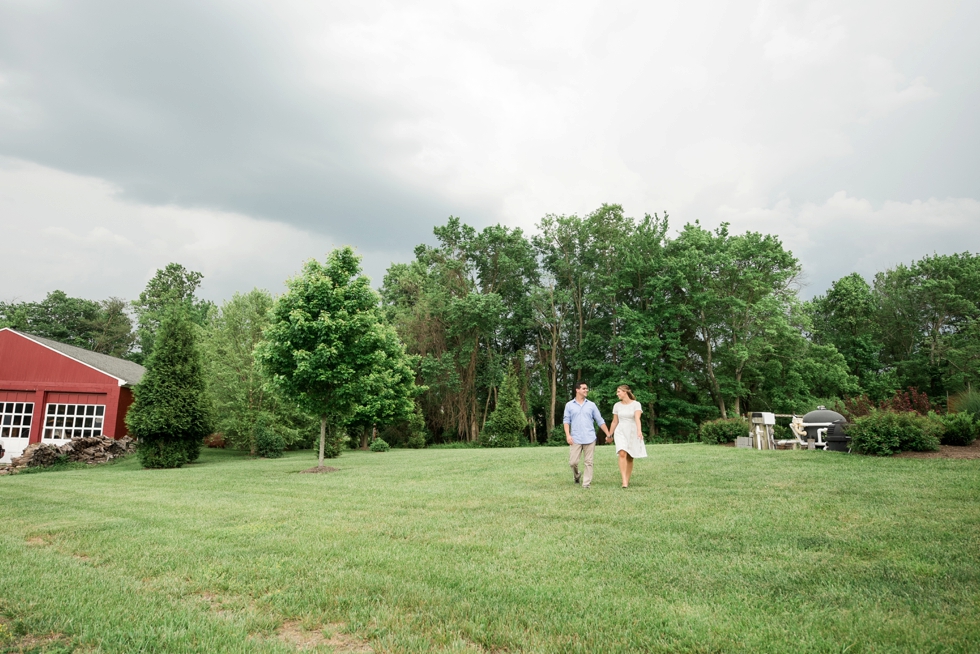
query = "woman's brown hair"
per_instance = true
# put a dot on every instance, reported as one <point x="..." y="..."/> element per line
<point x="628" y="390"/>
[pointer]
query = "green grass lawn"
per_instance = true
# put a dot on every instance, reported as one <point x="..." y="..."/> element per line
<point x="713" y="549"/>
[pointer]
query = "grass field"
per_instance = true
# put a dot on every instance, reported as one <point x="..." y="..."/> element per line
<point x="713" y="549"/>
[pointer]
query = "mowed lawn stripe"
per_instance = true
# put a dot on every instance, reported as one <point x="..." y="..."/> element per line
<point x="711" y="549"/>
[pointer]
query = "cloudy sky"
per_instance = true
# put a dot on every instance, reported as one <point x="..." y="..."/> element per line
<point x="241" y="138"/>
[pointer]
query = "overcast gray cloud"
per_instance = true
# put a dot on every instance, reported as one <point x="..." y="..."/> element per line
<point x="284" y="128"/>
<point x="198" y="105"/>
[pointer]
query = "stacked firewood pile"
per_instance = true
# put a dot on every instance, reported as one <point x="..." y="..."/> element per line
<point x="87" y="449"/>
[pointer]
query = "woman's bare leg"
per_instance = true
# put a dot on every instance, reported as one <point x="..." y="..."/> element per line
<point x="623" y="469"/>
<point x="629" y="469"/>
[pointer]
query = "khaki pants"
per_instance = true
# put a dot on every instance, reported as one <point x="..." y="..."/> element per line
<point x="576" y="451"/>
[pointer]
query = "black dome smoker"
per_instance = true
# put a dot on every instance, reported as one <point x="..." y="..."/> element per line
<point x="822" y="429"/>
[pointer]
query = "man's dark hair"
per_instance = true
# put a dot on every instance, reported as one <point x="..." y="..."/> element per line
<point x="579" y="384"/>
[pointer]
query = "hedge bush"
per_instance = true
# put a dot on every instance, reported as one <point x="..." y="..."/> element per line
<point x="883" y="433"/>
<point x="379" y="445"/>
<point x="269" y="443"/>
<point x="161" y="454"/>
<point x="723" y="430"/>
<point x="961" y="429"/>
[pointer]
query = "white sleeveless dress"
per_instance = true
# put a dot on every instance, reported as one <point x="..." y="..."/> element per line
<point x="625" y="436"/>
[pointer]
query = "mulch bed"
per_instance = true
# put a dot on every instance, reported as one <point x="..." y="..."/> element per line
<point x="946" y="452"/>
<point x="317" y="469"/>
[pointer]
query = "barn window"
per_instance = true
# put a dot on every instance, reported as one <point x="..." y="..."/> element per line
<point x="73" y="420"/>
<point x="15" y="419"/>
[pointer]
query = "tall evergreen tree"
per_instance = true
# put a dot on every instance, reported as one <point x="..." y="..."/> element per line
<point x="506" y="423"/>
<point x="171" y="413"/>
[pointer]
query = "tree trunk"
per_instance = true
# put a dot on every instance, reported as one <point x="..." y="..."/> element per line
<point x="652" y="415"/>
<point x="323" y="436"/>
<point x="486" y="409"/>
<point x="364" y="438"/>
<point x="738" y="399"/>
<point x="715" y="388"/>
<point x="554" y="387"/>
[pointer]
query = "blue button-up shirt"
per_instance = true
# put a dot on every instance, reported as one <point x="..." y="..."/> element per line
<point x="582" y="419"/>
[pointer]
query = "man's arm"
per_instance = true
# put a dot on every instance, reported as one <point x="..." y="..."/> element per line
<point x="565" y="420"/>
<point x="600" y="421"/>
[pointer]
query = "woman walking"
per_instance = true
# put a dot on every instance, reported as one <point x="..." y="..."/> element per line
<point x="627" y="432"/>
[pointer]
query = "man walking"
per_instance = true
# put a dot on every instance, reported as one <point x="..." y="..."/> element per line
<point x="580" y="417"/>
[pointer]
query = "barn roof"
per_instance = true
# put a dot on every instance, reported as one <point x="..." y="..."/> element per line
<point x="130" y="373"/>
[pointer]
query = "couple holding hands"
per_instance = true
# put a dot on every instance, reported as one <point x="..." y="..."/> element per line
<point x="580" y="417"/>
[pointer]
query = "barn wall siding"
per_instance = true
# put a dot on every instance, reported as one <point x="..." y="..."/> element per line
<point x="77" y="398"/>
<point x="16" y="396"/>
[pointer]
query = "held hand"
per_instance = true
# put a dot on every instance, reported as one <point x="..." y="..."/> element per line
<point x="609" y="439"/>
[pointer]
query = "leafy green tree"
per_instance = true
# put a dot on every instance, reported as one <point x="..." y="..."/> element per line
<point x="171" y="412"/>
<point x="652" y="351"/>
<point x="846" y="317"/>
<point x="327" y="347"/>
<point x="388" y="388"/>
<point x="169" y="287"/>
<point x="734" y="288"/>
<point x="928" y="313"/>
<point x="793" y="374"/>
<point x="111" y="331"/>
<point x="240" y="390"/>
<point x="98" y="326"/>
<point x="463" y="308"/>
<point x="58" y="317"/>
<point x="507" y="422"/>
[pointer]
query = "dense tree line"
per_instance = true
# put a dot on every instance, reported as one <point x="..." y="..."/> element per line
<point x="915" y="326"/>
<point x="701" y="323"/>
<point x="104" y="326"/>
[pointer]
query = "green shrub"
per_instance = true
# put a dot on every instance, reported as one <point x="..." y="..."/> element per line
<point x="723" y="430"/>
<point x="193" y="449"/>
<point x="506" y="424"/>
<point x="557" y="436"/>
<point x="269" y="443"/>
<point x="161" y="454"/>
<point x="380" y="445"/>
<point x="333" y="444"/>
<point x="883" y="433"/>
<point x="961" y="429"/>
<point x="929" y="434"/>
<point x="416" y="441"/>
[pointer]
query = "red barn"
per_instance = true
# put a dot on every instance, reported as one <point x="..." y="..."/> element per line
<point x="50" y="392"/>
